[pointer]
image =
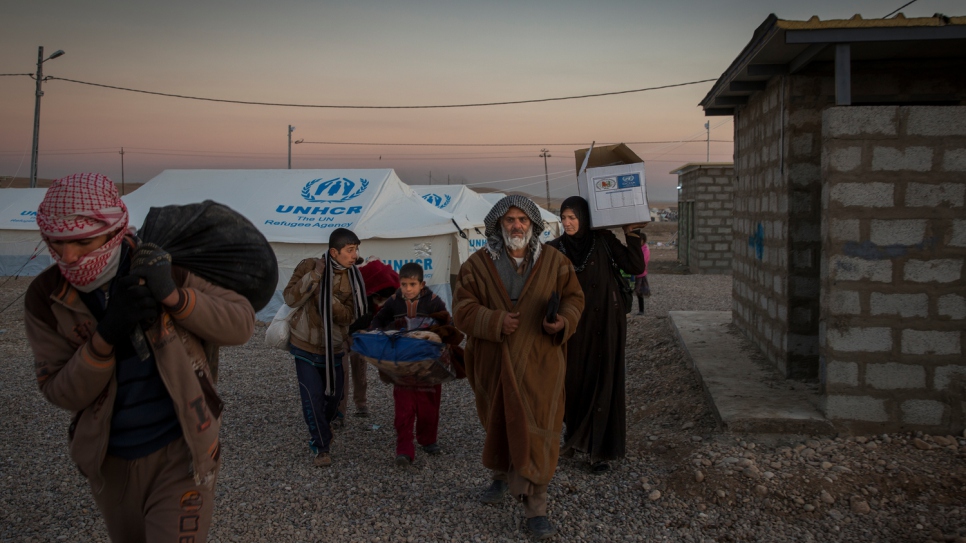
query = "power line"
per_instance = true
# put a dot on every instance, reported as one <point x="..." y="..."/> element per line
<point x="348" y="156"/>
<point x="900" y="7"/>
<point x="508" y="180"/>
<point x="7" y="75"/>
<point x="146" y="150"/>
<point x="329" y="106"/>
<point x="501" y="144"/>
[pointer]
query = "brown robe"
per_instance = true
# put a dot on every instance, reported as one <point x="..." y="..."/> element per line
<point x="518" y="379"/>
<point x="595" y="411"/>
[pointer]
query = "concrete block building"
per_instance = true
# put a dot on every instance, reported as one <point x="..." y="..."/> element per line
<point x="705" y="211"/>
<point x="849" y="234"/>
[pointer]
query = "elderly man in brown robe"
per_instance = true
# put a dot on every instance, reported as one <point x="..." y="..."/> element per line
<point x="515" y="358"/>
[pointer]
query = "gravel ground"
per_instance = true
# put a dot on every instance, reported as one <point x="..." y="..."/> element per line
<point x="684" y="479"/>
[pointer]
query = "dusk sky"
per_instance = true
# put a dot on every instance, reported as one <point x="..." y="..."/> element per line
<point x="378" y="54"/>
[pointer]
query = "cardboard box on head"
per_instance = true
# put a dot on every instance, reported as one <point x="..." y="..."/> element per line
<point x="611" y="179"/>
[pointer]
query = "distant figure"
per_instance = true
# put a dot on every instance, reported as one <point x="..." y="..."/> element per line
<point x="412" y="307"/>
<point x="328" y="295"/>
<point x="641" y="287"/>
<point x="146" y="421"/>
<point x="594" y="416"/>
<point x="515" y="358"/>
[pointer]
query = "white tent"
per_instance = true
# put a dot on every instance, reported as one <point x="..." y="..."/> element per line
<point x="22" y="251"/>
<point x="298" y="209"/>
<point x="551" y="229"/>
<point x="467" y="207"/>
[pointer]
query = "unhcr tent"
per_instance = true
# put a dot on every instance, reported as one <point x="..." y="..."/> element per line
<point x="22" y="251"/>
<point x="552" y="228"/>
<point x="298" y="209"/>
<point x="467" y="207"/>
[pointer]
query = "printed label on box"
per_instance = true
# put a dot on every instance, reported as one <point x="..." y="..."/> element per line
<point x="618" y="191"/>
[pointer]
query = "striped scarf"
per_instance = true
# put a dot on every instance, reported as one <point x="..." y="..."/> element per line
<point x="325" y="309"/>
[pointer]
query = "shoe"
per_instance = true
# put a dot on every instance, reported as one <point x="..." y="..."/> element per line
<point x="432" y="448"/>
<point x="640" y="312"/>
<point x="362" y="411"/>
<point x="338" y="423"/>
<point x="322" y="460"/>
<point x="402" y="460"/>
<point x="540" y="528"/>
<point x="494" y="494"/>
<point x="598" y="468"/>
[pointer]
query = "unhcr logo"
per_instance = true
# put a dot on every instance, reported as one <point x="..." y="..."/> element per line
<point x="437" y="200"/>
<point x="339" y="189"/>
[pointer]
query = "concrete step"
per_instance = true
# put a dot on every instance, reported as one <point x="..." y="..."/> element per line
<point x="747" y="395"/>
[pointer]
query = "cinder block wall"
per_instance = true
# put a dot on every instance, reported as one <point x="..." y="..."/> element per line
<point x="777" y="218"/>
<point x="711" y="189"/>
<point x="777" y="244"/>
<point x="894" y="291"/>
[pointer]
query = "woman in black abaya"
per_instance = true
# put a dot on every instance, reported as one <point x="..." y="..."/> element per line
<point x="594" y="414"/>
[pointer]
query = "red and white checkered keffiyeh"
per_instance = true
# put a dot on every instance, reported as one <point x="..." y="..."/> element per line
<point x="82" y="206"/>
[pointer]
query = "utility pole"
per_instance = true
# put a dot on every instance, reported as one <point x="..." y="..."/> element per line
<point x="122" y="171"/>
<point x="546" y="154"/>
<point x="707" y="127"/>
<point x="290" y="130"/>
<point x="40" y="79"/>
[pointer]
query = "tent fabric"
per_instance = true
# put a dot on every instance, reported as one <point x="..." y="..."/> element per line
<point x="468" y="209"/>
<point x="296" y="211"/>
<point x="22" y="250"/>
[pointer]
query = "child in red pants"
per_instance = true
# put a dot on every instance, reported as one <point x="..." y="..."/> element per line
<point x="413" y="306"/>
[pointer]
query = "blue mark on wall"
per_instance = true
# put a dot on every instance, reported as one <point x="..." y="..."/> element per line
<point x="867" y="250"/>
<point x="758" y="241"/>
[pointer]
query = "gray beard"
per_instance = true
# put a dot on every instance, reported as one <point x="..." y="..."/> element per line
<point x="515" y="244"/>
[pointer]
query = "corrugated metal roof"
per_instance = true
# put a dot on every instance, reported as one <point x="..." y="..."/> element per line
<point x="780" y="46"/>
<point x="899" y="21"/>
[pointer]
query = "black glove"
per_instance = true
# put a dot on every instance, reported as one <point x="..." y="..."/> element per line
<point x="153" y="264"/>
<point x="362" y="323"/>
<point x="130" y="304"/>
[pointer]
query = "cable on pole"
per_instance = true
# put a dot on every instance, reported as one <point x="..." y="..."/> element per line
<point x="331" y="106"/>
<point x="501" y="144"/>
<point x="900" y="7"/>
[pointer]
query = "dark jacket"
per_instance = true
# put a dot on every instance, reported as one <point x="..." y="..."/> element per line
<point x="396" y="309"/>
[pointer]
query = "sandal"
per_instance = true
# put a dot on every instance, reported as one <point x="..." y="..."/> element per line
<point x="599" y="467"/>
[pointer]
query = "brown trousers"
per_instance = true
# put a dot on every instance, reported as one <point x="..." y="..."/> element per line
<point x="154" y="499"/>
<point x="533" y="497"/>
<point x="359" y="384"/>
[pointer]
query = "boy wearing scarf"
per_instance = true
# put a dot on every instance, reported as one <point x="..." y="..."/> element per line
<point x="328" y="295"/>
<point x="146" y="420"/>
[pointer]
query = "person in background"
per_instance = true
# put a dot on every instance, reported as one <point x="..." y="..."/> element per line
<point x="414" y="306"/>
<point x="381" y="282"/>
<point x="594" y="416"/>
<point x="328" y="295"/>
<point x="516" y="358"/>
<point x="145" y="425"/>
<point x="641" y="287"/>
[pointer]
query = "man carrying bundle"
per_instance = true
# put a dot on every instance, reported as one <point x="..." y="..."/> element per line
<point x="146" y="414"/>
<point x="515" y="358"/>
